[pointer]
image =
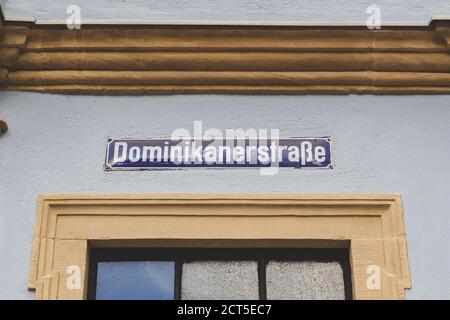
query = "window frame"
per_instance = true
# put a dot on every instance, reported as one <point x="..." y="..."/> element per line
<point x="371" y="226"/>
<point x="185" y="255"/>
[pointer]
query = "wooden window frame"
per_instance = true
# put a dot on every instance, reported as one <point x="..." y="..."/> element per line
<point x="371" y="226"/>
<point x="185" y="255"/>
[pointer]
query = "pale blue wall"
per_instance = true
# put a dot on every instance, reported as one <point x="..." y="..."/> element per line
<point x="416" y="11"/>
<point x="383" y="144"/>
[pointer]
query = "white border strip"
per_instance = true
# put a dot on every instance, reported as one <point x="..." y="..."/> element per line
<point x="261" y="23"/>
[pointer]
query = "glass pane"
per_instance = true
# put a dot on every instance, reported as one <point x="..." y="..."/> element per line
<point x="305" y="281"/>
<point x="135" y="280"/>
<point x="215" y="280"/>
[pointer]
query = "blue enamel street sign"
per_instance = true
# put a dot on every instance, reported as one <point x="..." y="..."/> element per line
<point x="148" y="154"/>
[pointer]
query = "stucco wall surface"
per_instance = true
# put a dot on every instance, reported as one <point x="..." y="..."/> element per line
<point x="383" y="144"/>
<point x="414" y="11"/>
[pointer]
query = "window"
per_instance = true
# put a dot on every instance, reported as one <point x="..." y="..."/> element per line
<point x="70" y="228"/>
<point x="244" y="273"/>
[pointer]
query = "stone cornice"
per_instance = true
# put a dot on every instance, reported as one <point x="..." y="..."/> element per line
<point x="138" y="59"/>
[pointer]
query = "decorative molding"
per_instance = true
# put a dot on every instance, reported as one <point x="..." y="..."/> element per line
<point x="445" y="33"/>
<point x="146" y="59"/>
<point x="371" y="226"/>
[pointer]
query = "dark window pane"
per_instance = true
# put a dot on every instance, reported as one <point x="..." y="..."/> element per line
<point x="135" y="280"/>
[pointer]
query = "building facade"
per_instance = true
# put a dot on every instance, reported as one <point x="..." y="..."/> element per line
<point x="374" y="225"/>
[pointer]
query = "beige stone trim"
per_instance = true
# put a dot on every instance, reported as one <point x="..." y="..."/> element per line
<point x="371" y="225"/>
<point x="146" y="59"/>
